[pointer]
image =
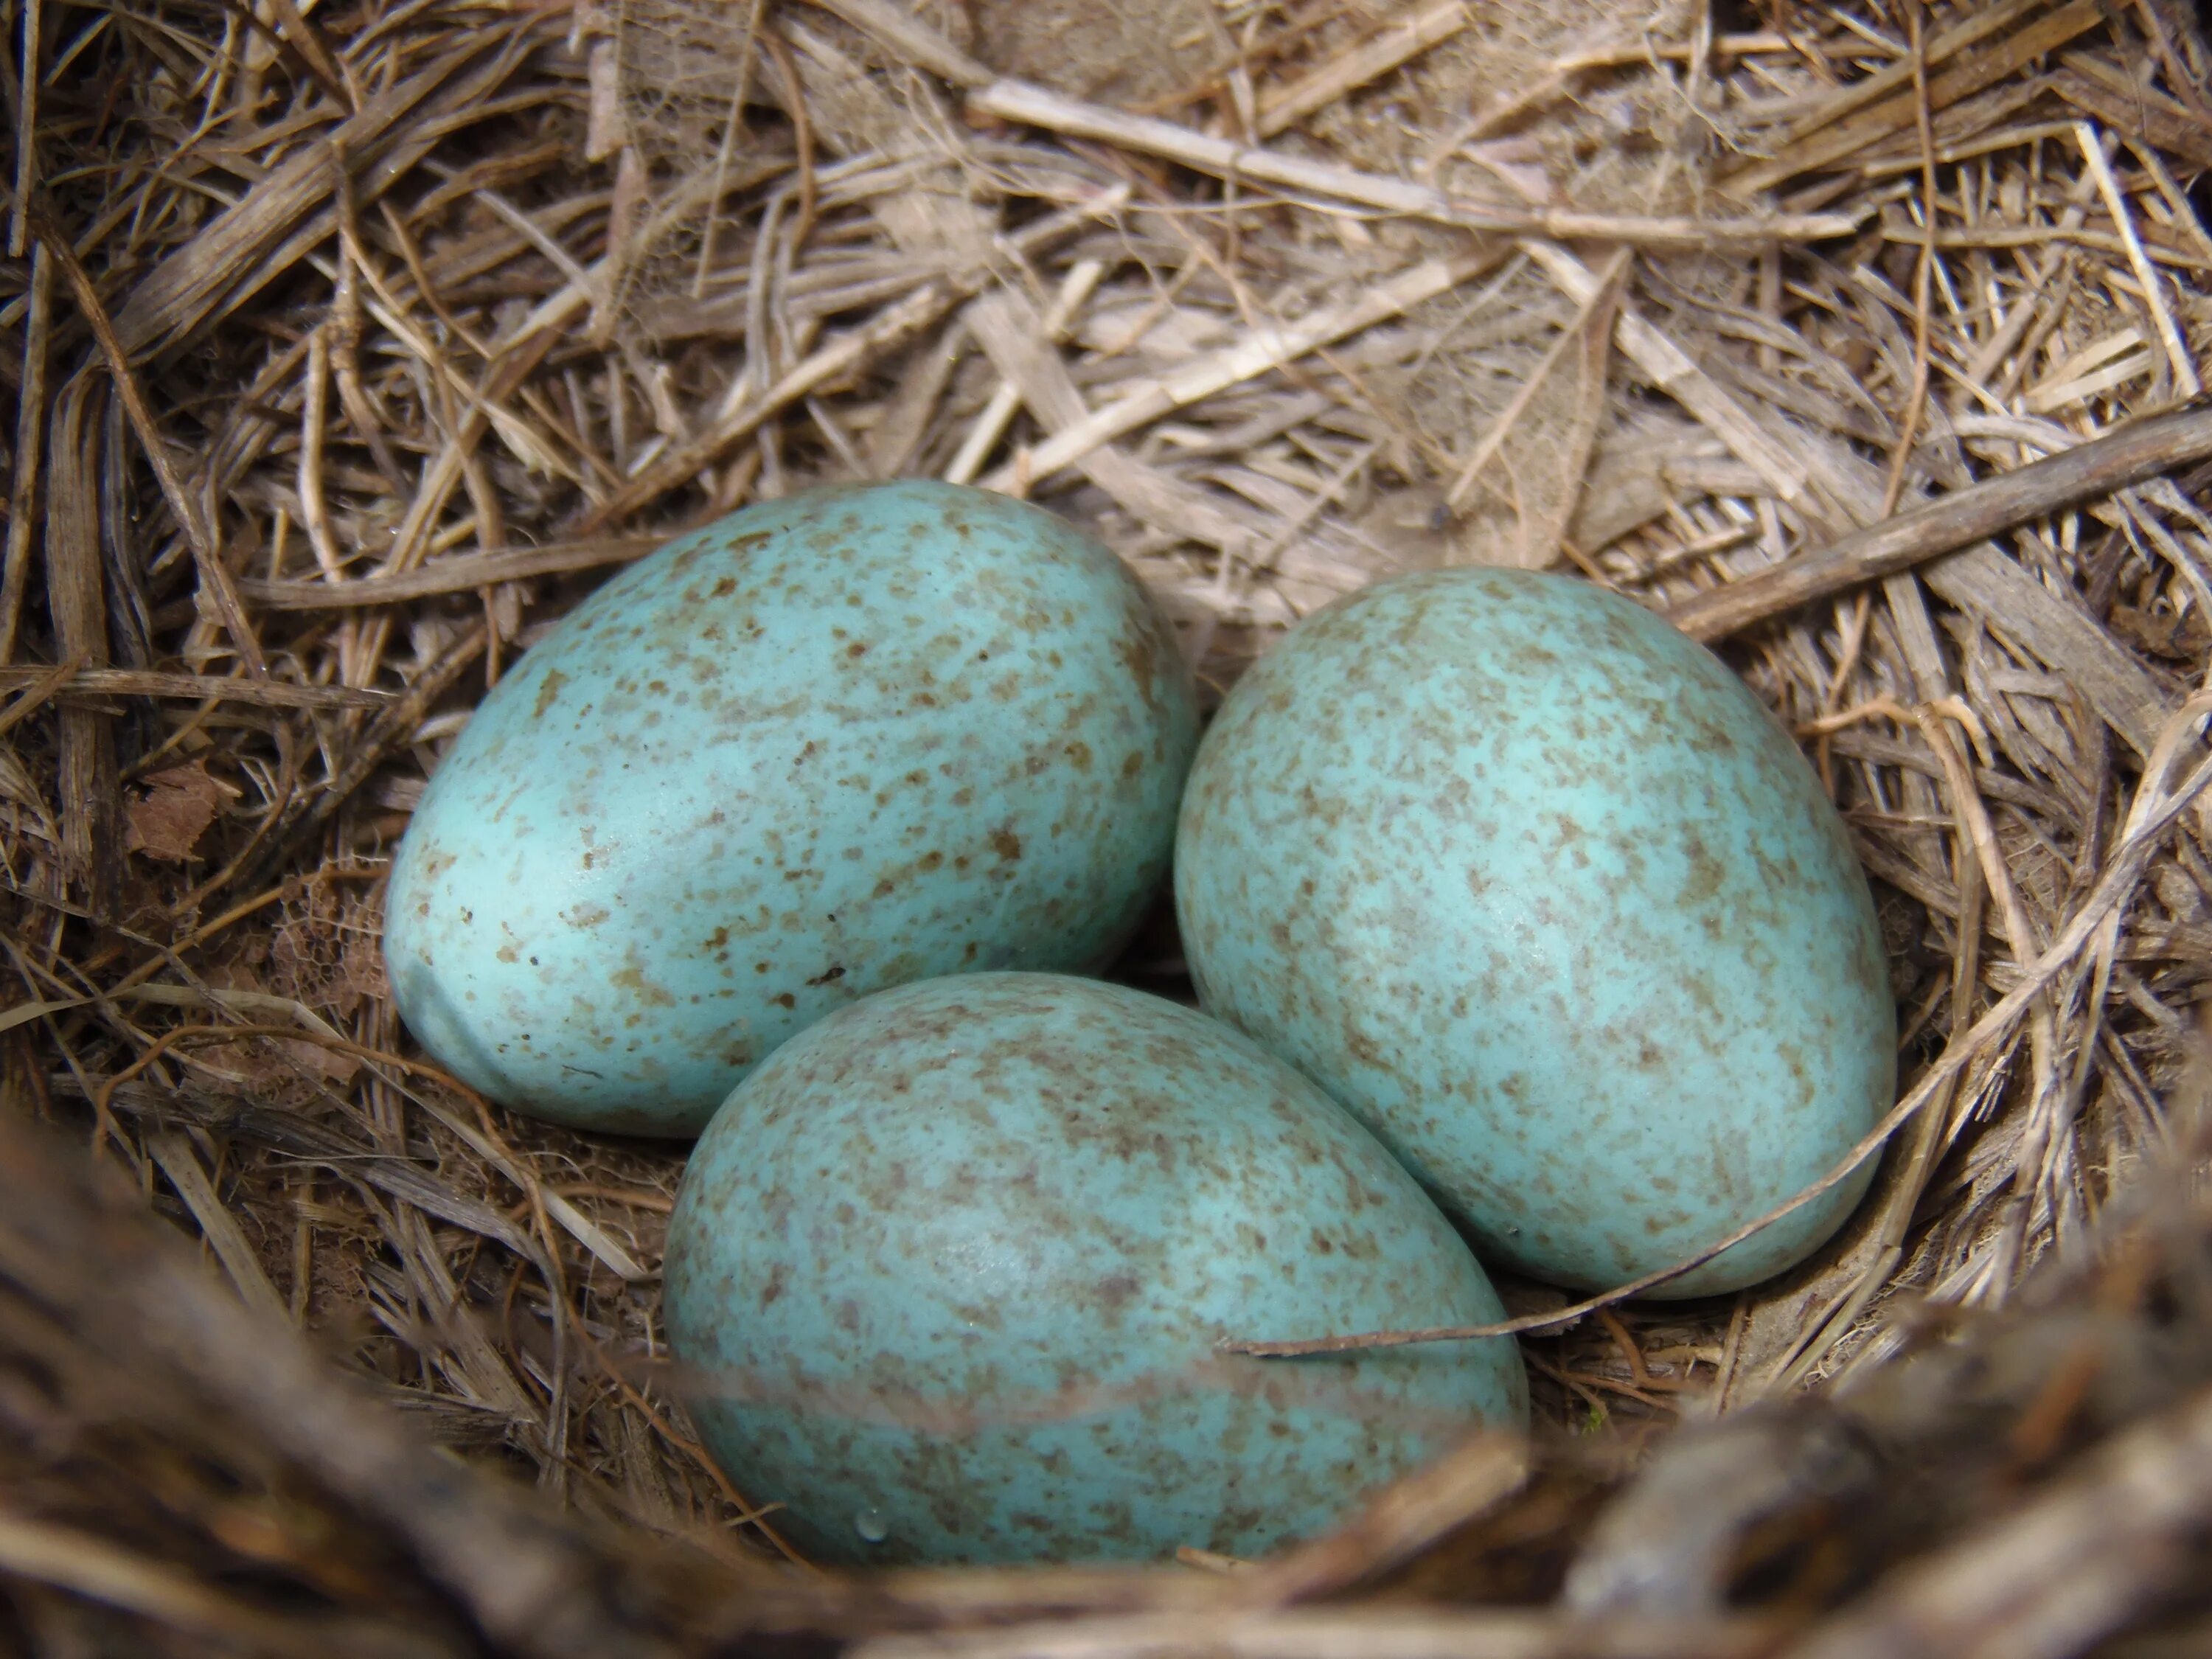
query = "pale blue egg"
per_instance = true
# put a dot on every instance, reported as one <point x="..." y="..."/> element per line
<point x="1533" y="884"/>
<point x="947" y="1277"/>
<point x="826" y="745"/>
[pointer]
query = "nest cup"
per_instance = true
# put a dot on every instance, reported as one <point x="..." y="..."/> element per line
<point x="351" y="348"/>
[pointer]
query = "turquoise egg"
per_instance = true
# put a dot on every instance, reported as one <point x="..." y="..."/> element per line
<point x="828" y="744"/>
<point x="1531" y="884"/>
<point x="947" y="1275"/>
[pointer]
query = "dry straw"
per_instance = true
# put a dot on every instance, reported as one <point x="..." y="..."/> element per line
<point x="349" y="343"/>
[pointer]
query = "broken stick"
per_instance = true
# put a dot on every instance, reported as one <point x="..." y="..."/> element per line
<point x="2141" y="450"/>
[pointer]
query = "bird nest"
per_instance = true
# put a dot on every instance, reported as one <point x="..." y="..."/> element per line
<point x="350" y="344"/>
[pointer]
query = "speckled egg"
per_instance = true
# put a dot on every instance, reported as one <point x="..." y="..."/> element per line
<point x="947" y="1275"/>
<point x="1533" y="884"/>
<point x="829" y="744"/>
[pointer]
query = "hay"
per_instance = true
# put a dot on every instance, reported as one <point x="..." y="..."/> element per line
<point x="348" y="344"/>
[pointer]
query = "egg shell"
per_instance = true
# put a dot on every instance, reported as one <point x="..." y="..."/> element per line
<point x="1537" y="888"/>
<point x="828" y="744"/>
<point x="946" y="1277"/>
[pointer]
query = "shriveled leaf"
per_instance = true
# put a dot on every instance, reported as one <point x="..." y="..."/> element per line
<point x="168" y="818"/>
<point x="1519" y="485"/>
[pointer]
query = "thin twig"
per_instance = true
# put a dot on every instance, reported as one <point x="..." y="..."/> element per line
<point x="2144" y="449"/>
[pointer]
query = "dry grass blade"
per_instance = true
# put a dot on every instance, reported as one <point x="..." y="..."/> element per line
<point x="456" y="574"/>
<point x="847" y="353"/>
<point x="1013" y="101"/>
<point x="1262" y="350"/>
<point x="912" y="40"/>
<point x="30" y="436"/>
<point x="1673" y="371"/>
<point x="1281" y="109"/>
<point x="173" y="1152"/>
<point x="2178" y="353"/>
<point x="221" y="265"/>
<point x="214" y="576"/>
<point x="65" y="682"/>
<point x="1837" y="140"/>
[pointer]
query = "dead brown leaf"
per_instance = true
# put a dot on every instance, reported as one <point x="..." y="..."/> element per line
<point x="168" y="818"/>
<point x="2161" y="633"/>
